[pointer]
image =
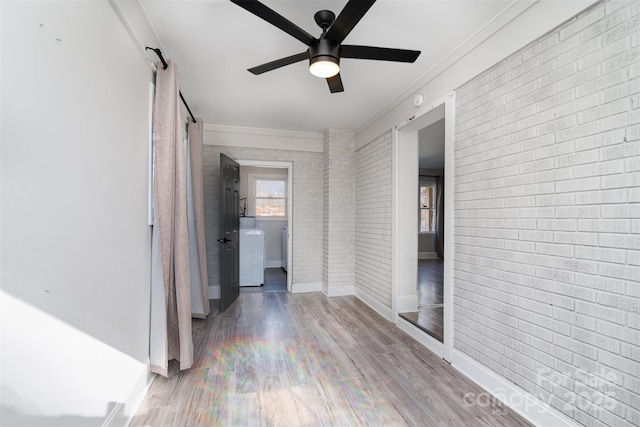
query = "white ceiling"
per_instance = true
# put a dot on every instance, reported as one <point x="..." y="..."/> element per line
<point x="214" y="42"/>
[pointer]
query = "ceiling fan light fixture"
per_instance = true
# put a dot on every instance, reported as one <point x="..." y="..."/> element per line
<point x="324" y="66"/>
<point x="324" y="52"/>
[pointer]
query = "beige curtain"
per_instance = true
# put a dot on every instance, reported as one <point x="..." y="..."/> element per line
<point x="170" y="230"/>
<point x="439" y="246"/>
<point x="199" y="282"/>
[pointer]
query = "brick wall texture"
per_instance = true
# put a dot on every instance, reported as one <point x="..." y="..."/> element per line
<point x="547" y="217"/>
<point x="373" y="225"/>
<point x="307" y="207"/>
<point x="339" y="210"/>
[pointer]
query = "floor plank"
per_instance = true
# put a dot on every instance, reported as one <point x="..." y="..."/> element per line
<point x="276" y="359"/>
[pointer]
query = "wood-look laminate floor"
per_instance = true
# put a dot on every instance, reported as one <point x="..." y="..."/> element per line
<point x="275" y="280"/>
<point x="277" y="359"/>
<point x="429" y="319"/>
<point x="429" y="316"/>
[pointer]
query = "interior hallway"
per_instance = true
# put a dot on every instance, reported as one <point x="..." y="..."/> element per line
<point x="276" y="358"/>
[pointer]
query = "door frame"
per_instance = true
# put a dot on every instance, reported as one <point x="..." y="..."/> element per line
<point x="404" y="221"/>
<point x="289" y="167"/>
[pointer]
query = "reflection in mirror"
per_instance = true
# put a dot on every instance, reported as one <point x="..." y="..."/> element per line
<point x="430" y="203"/>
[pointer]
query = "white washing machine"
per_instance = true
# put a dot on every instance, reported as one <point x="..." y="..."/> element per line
<point x="252" y="253"/>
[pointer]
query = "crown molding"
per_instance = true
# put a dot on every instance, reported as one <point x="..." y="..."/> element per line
<point x="508" y="14"/>
<point x="273" y="139"/>
<point x="261" y="131"/>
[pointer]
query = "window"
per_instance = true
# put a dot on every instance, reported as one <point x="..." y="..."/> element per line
<point x="427" y="205"/>
<point x="270" y="197"/>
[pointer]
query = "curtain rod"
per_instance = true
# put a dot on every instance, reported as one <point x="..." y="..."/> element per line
<point x="165" y="65"/>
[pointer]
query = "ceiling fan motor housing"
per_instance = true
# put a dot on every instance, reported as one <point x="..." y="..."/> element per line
<point x="324" y="50"/>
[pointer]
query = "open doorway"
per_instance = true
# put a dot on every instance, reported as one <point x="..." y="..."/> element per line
<point x="423" y="226"/>
<point x="265" y="226"/>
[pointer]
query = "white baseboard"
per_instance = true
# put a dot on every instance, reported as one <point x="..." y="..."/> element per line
<point x="421" y="336"/>
<point x="531" y="408"/>
<point x="214" y="292"/>
<point x="123" y="412"/>
<point x="407" y="303"/>
<point x="376" y="305"/>
<point x="273" y="264"/>
<point x="299" y="288"/>
<point x="428" y="255"/>
<point x="339" y="291"/>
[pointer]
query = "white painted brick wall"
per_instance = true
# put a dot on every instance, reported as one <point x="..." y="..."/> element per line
<point x="373" y="213"/>
<point x="307" y="207"/>
<point x="338" y="267"/>
<point x="547" y="208"/>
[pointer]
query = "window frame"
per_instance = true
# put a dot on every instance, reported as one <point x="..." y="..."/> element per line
<point x="422" y="184"/>
<point x="252" y="199"/>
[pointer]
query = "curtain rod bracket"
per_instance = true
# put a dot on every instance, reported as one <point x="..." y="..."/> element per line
<point x="159" y="53"/>
<point x="165" y="65"/>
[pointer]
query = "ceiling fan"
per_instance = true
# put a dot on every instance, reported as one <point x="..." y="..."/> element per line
<point x="324" y="53"/>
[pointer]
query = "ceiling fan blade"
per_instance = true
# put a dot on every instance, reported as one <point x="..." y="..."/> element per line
<point x="378" y="53"/>
<point x="279" y="63"/>
<point x="348" y="18"/>
<point x="335" y="83"/>
<point x="274" y="18"/>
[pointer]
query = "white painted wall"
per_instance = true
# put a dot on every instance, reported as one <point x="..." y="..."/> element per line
<point x="373" y="245"/>
<point x="520" y="25"/>
<point x="75" y="239"/>
<point x="426" y="244"/>
<point x="270" y="139"/>
<point x="547" y="232"/>
<point x="338" y="246"/>
<point x="492" y="45"/>
<point x="406" y="191"/>
<point x="272" y="241"/>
